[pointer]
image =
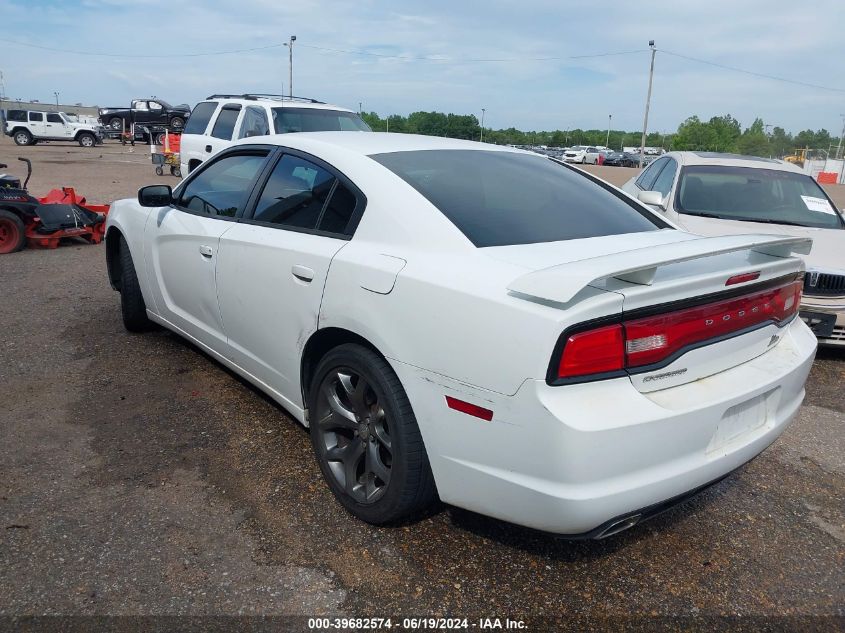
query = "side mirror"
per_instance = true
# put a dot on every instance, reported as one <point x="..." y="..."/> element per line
<point x="652" y="198"/>
<point x="155" y="196"/>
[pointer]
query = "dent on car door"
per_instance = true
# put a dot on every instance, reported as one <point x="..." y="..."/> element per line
<point x="181" y="243"/>
<point x="273" y="267"/>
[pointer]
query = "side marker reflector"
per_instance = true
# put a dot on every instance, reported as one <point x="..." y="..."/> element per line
<point x="469" y="408"/>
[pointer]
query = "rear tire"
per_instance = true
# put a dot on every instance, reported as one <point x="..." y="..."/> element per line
<point x="23" y="137"/>
<point x="116" y="123"/>
<point x="12" y="233"/>
<point x="132" y="306"/>
<point x="366" y="438"/>
<point x="177" y="123"/>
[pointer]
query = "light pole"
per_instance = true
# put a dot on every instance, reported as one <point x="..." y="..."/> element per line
<point x="289" y="44"/>
<point x="56" y="94"/>
<point x="483" y="110"/>
<point x="647" y="102"/>
<point x="607" y="140"/>
<point x="839" y="147"/>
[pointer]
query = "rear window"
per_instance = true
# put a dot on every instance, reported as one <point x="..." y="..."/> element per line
<point x="503" y="198"/>
<point x="200" y="117"/>
<point x="287" y="120"/>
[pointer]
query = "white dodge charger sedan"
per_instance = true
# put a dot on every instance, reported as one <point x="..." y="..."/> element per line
<point x="474" y="323"/>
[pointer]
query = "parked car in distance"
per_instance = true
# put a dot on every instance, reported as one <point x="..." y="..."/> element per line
<point x="581" y="154"/>
<point x="545" y="368"/>
<point x="145" y="112"/>
<point x="221" y="120"/>
<point x="721" y="194"/>
<point x="621" y="159"/>
<point x="29" y="127"/>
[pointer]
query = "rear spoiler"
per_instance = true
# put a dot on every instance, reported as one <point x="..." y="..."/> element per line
<point x="639" y="266"/>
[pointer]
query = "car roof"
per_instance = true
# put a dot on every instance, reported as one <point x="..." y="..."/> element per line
<point x="732" y="160"/>
<point x="369" y="143"/>
<point x="277" y="101"/>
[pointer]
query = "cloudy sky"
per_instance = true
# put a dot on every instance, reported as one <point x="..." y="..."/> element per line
<point x="403" y="56"/>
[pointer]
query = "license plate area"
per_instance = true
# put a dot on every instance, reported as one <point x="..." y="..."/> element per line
<point x="741" y="423"/>
<point x="821" y="323"/>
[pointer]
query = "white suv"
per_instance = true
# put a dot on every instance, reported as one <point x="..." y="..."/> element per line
<point x="220" y="120"/>
<point x="28" y="127"/>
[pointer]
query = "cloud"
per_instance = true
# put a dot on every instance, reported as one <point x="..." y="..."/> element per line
<point x="777" y="37"/>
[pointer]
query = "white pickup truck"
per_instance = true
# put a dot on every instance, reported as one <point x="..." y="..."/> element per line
<point x="28" y="127"/>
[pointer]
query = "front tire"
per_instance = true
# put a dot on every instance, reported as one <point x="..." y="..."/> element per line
<point x="86" y="140"/>
<point x="116" y="123"/>
<point x="366" y="438"/>
<point x="132" y="306"/>
<point x="23" y="137"/>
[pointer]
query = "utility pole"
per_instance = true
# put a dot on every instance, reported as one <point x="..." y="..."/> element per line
<point x="290" y="65"/>
<point x="56" y="94"/>
<point x="483" y="110"/>
<point x="838" y="147"/>
<point x="607" y="140"/>
<point x="647" y="102"/>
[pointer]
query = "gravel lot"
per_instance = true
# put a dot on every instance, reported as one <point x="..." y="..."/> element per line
<point x="142" y="478"/>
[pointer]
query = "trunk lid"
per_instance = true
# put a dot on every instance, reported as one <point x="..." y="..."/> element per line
<point x="660" y="273"/>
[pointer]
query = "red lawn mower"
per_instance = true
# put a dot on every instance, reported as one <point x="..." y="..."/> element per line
<point x="44" y="222"/>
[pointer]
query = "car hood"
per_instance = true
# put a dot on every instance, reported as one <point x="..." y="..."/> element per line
<point x="828" y="244"/>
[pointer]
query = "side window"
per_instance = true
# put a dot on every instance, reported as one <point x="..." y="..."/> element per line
<point x="36" y="116"/>
<point x="254" y="122"/>
<point x="295" y="194"/>
<point x="339" y="211"/>
<point x="141" y="105"/>
<point x="52" y="117"/>
<point x="223" y="187"/>
<point x="200" y="117"/>
<point x="17" y="115"/>
<point x="664" y="181"/>
<point x="155" y="105"/>
<point x="225" y="123"/>
<point x="649" y="175"/>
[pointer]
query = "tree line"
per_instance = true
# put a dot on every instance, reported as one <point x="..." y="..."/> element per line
<point x="719" y="134"/>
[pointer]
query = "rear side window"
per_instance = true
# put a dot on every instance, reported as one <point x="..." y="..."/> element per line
<point x="295" y="194"/>
<point x="36" y="116"/>
<point x="225" y="123"/>
<point x="223" y="187"/>
<point x="501" y="198"/>
<point x="663" y="183"/>
<point x="16" y="115"/>
<point x="200" y="117"/>
<point x="254" y="122"/>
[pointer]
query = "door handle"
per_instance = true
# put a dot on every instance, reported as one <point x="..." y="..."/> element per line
<point x="303" y="273"/>
<point x="206" y="251"/>
<point x="208" y="148"/>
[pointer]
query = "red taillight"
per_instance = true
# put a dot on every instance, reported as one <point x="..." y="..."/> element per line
<point x="593" y="352"/>
<point x="650" y="340"/>
<point x="743" y="278"/>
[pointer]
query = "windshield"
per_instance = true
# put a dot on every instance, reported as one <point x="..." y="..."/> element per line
<point x="755" y="195"/>
<point x="315" y="120"/>
<point x="501" y="198"/>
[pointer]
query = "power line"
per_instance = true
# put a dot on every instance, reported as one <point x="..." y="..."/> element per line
<point x="751" y="72"/>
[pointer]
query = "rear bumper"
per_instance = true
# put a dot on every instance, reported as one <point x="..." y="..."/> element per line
<point x="574" y="459"/>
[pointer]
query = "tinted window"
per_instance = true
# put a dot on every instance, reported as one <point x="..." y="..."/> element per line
<point x="254" y="122"/>
<point x="649" y="175"/>
<point x="499" y="198"/>
<point x="755" y="195"/>
<point x="36" y="116"/>
<point x="223" y="187"/>
<point x="313" y="120"/>
<point x="338" y="211"/>
<point x="200" y="117"/>
<point x="664" y="181"/>
<point x="295" y="194"/>
<point x="54" y="118"/>
<point x="16" y="115"/>
<point x="225" y="123"/>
